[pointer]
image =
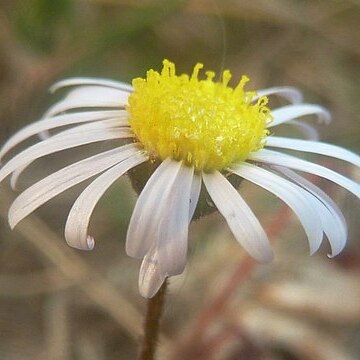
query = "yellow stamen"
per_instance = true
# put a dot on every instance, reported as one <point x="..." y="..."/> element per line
<point x="208" y="124"/>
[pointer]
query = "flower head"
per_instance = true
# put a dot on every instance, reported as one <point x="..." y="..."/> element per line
<point x="207" y="124"/>
<point x="199" y="131"/>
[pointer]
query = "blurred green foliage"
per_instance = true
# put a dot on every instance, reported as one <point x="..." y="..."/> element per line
<point x="38" y="22"/>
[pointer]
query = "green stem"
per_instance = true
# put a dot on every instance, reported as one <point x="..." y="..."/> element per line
<point x="154" y="311"/>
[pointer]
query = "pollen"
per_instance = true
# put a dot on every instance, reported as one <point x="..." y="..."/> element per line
<point x="207" y="124"/>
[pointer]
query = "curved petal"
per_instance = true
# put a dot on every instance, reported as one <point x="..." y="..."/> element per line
<point x="73" y="132"/>
<point x="93" y="125"/>
<point x="273" y="157"/>
<point x="291" y="112"/>
<point x="167" y="256"/>
<point x="333" y="220"/>
<point x="76" y="229"/>
<point x="62" y="141"/>
<point x="97" y="93"/>
<point x="150" y="277"/>
<point x="241" y="220"/>
<point x="171" y="238"/>
<point x="61" y="120"/>
<point x="71" y="104"/>
<point x="91" y="81"/>
<point x="293" y="195"/>
<point x="308" y="130"/>
<point x="288" y="92"/>
<point x="147" y="211"/>
<point x="56" y="183"/>
<point x="14" y="177"/>
<point x="314" y="147"/>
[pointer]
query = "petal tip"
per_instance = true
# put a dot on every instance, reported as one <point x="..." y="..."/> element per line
<point x="12" y="224"/>
<point x="326" y="116"/>
<point x="133" y="252"/>
<point x="90" y="242"/>
<point x="12" y="219"/>
<point x="335" y="252"/>
<point x="150" y="278"/>
<point x="78" y="242"/>
<point x="315" y="243"/>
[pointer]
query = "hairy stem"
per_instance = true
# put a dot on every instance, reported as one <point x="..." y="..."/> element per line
<point x="154" y="311"/>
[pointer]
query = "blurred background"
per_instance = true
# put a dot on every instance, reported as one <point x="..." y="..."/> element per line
<point x="64" y="304"/>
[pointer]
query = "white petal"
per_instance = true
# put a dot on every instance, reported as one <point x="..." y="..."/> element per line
<point x="79" y="131"/>
<point x="194" y="196"/>
<point x="161" y="217"/>
<point x="14" y="177"/>
<point x="98" y="93"/>
<point x="308" y="130"/>
<point x="95" y="125"/>
<point x="90" y="97"/>
<point x="288" y="92"/>
<point x="56" y="183"/>
<point x="291" y="112"/>
<point x="292" y="162"/>
<point x="66" y="105"/>
<point x="167" y="257"/>
<point x="314" y="147"/>
<point x="150" y="277"/>
<point x="147" y="212"/>
<point x="241" y="220"/>
<point x="172" y="235"/>
<point x="76" y="229"/>
<point x="58" y="143"/>
<point x="61" y="120"/>
<point x="293" y="195"/>
<point x="334" y="223"/>
<point x="90" y="81"/>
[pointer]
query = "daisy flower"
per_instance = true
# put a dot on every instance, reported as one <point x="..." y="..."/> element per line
<point x="193" y="133"/>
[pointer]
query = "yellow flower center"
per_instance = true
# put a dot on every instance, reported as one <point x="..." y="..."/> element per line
<point x="208" y="124"/>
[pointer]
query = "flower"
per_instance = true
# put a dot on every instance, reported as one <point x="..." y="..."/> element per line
<point x="193" y="131"/>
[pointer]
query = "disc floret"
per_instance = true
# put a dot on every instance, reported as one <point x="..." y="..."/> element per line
<point x="208" y="124"/>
